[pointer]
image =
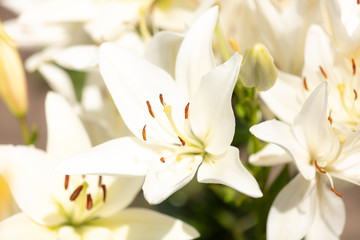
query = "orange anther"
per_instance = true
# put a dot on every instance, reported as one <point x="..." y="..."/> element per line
<point x="318" y="168"/>
<point x="100" y="181"/>
<point x="323" y="72"/>
<point x="162" y="100"/>
<point x="356" y="95"/>
<point x="353" y="61"/>
<point x="162" y="159"/>
<point x="187" y="111"/>
<point x="76" y="193"/>
<point x="150" y="109"/>
<point x="66" y="184"/>
<point x="104" y="192"/>
<point x="182" y="141"/>
<point x="144" y="133"/>
<point x="305" y="84"/>
<point x="337" y="194"/>
<point x="330" y="118"/>
<point x="89" y="202"/>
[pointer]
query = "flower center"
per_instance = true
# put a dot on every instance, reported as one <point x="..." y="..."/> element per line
<point x="183" y="137"/>
<point x="83" y="201"/>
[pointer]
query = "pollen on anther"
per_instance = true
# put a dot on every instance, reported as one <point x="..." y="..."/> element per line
<point x="353" y="61"/>
<point x="187" y="111"/>
<point x="150" y="109"/>
<point x="144" y="133"/>
<point x="104" y="192"/>
<point x="355" y="94"/>
<point x="330" y="118"/>
<point x="323" y="72"/>
<point x="66" y="183"/>
<point x="162" y="100"/>
<point x="100" y="181"/>
<point x="76" y="193"/>
<point x="358" y="2"/>
<point x="337" y="194"/>
<point x="89" y="202"/>
<point x="318" y="168"/>
<point x="305" y="84"/>
<point x="182" y="141"/>
<point x="162" y="159"/>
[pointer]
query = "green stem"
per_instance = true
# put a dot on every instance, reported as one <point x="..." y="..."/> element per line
<point x="222" y="43"/>
<point x="24" y="130"/>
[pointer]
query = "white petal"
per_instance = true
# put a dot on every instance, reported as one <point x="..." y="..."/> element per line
<point x="137" y="223"/>
<point x="20" y="226"/>
<point x="227" y="169"/>
<point x="329" y="220"/>
<point x="66" y="133"/>
<point x="29" y="174"/>
<point x="162" y="50"/>
<point x="210" y="114"/>
<point x="195" y="57"/>
<point x="122" y="156"/>
<point x="82" y="57"/>
<point x="279" y="133"/>
<point x="270" y="155"/>
<point x="293" y="210"/>
<point x="132" y="81"/>
<point x="286" y="97"/>
<point x="96" y="233"/>
<point x="311" y="126"/>
<point x="58" y="80"/>
<point x="68" y="232"/>
<point x="163" y="179"/>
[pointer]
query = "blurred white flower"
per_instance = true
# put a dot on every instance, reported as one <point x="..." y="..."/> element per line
<point x="318" y="150"/>
<point x="56" y="206"/>
<point x="185" y="124"/>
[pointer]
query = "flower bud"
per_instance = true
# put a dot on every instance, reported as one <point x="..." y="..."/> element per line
<point x="258" y="69"/>
<point x="13" y="88"/>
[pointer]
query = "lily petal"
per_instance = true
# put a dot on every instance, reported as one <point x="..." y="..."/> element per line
<point x="293" y="210"/>
<point x="25" y="169"/>
<point x="66" y="133"/>
<point x="96" y="232"/>
<point x="270" y="155"/>
<point x="195" y="57"/>
<point x="137" y="223"/>
<point x="329" y="219"/>
<point x="279" y="133"/>
<point x="162" y="50"/>
<point x="122" y="156"/>
<point x="165" y="178"/>
<point x="228" y="170"/>
<point x="211" y="115"/>
<point x="20" y="226"/>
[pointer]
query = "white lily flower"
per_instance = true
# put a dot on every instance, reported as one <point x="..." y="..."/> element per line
<point x="318" y="150"/>
<point x="342" y="21"/>
<point x="56" y="206"/>
<point x="184" y="124"/>
<point x="322" y="62"/>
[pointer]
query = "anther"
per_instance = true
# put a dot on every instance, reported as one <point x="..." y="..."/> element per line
<point x="187" y="111"/>
<point x="89" y="202"/>
<point x="76" y="193"/>
<point x="100" y="181"/>
<point x="66" y="183"/>
<point x="330" y="118"/>
<point x="162" y="159"/>
<point x="332" y="189"/>
<point x="318" y="168"/>
<point x="150" y="109"/>
<point x="358" y="2"/>
<point x="323" y="72"/>
<point x="144" y="133"/>
<point x="182" y="141"/>
<point x="104" y="192"/>
<point x="162" y="100"/>
<point x="305" y="84"/>
<point x="356" y="95"/>
<point x="353" y="61"/>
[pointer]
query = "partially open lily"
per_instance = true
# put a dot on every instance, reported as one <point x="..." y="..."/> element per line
<point x="180" y="125"/>
<point x="57" y="206"/>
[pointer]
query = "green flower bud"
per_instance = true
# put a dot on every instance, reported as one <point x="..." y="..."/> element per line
<point x="258" y="68"/>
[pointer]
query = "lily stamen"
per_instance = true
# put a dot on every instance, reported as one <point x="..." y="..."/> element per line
<point x="144" y="133"/>
<point x="76" y="193"/>
<point x="89" y="202"/>
<point x="330" y="118"/>
<point x="104" y="192"/>
<point x="66" y="183"/>
<point x="162" y="159"/>
<point x="187" y="111"/>
<point x="100" y="181"/>
<point x="323" y="72"/>
<point x="337" y="194"/>
<point x="162" y="100"/>
<point x="353" y="62"/>
<point x="182" y="141"/>
<point x="305" y="84"/>
<point x="356" y="95"/>
<point x="320" y="169"/>
<point x="150" y="109"/>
